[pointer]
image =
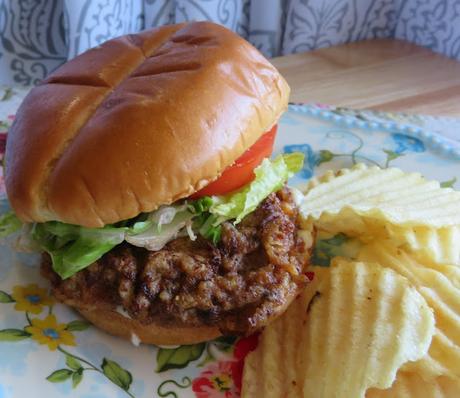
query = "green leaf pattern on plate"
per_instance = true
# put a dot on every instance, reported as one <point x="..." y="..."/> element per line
<point x="326" y="249"/>
<point x="13" y="335"/>
<point x="178" y="358"/>
<point x="73" y="363"/>
<point x="78" y="325"/>
<point x="5" y="297"/>
<point x="114" y="372"/>
<point x="449" y="183"/>
<point x="58" y="376"/>
<point x="77" y="378"/>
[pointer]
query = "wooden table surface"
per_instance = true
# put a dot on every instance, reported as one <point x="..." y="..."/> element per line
<point x="383" y="74"/>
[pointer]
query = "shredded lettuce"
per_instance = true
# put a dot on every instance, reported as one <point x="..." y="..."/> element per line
<point x="160" y="233"/>
<point x="271" y="175"/>
<point x="211" y="229"/>
<point x="73" y="248"/>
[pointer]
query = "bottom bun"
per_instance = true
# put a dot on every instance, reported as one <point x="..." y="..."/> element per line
<point x="118" y="325"/>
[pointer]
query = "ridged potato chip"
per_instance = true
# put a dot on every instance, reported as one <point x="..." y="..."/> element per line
<point x="404" y="199"/>
<point x="363" y="326"/>
<point x="440" y="245"/>
<point x="452" y="272"/>
<point x="349" y="222"/>
<point x="411" y="385"/>
<point x="367" y="323"/>
<point x="270" y="370"/>
<point x="442" y="295"/>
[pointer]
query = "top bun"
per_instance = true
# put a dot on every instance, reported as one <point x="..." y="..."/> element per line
<point x="139" y="121"/>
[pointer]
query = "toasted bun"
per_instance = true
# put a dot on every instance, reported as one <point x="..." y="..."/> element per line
<point x="140" y="121"/>
<point x="118" y="325"/>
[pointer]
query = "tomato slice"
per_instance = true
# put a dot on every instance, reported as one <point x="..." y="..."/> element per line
<point x="242" y="171"/>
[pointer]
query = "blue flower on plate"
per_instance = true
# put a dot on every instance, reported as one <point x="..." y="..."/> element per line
<point x="312" y="159"/>
<point x="406" y="143"/>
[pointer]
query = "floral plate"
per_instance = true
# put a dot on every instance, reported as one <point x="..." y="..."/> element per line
<point x="47" y="350"/>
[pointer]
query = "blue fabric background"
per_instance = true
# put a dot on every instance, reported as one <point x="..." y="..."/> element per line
<point x="36" y="36"/>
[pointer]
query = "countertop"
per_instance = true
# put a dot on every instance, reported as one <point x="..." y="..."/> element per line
<point x="381" y="74"/>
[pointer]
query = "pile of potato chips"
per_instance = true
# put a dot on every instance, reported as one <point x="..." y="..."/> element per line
<point x="383" y="319"/>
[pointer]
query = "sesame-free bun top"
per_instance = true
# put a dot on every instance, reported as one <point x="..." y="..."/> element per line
<point x="139" y="121"/>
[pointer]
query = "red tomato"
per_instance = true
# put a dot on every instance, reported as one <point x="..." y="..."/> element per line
<point x="242" y="171"/>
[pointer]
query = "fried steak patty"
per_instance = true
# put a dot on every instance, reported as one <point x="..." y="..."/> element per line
<point x="257" y="268"/>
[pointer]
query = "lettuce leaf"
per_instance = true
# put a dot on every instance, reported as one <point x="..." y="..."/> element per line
<point x="72" y="248"/>
<point x="270" y="177"/>
<point x="9" y="224"/>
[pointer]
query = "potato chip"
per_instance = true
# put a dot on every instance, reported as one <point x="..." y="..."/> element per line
<point x="440" y="245"/>
<point x="452" y="272"/>
<point x="443" y="353"/>
<point x="347" y="221"/>
<point x="269" y="371"/>
<point x="362" y="329"/>
<point x="411" y="385"/>
<point x="405" y="199"/>
<point x="364" y="324"/>
<point x="329" y="175"/>
<point x="441" y="293"/>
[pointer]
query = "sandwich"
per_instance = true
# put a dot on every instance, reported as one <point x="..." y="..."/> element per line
<point x="141" y="169"/>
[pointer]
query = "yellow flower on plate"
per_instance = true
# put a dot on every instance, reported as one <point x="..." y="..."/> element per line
<point x="48" y="331"/>
<point x="31" y="298"/>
